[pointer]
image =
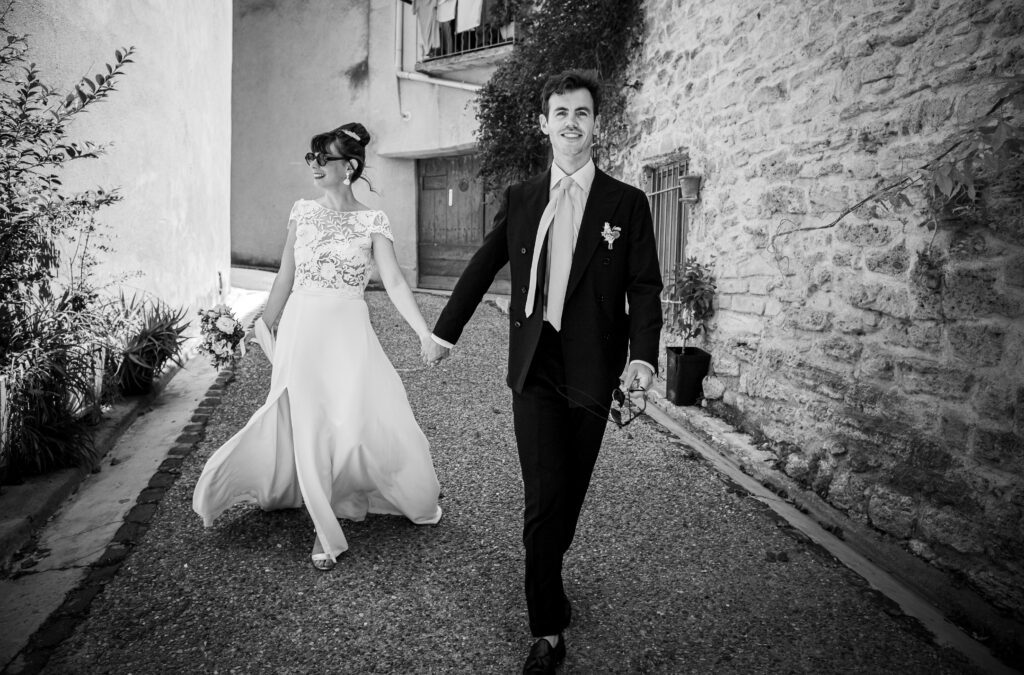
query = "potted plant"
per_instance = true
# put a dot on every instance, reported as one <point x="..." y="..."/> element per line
<point x="690" y="296"/>
<point x="157" y="339"/>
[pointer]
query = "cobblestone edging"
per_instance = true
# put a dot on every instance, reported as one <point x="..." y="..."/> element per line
<point x="62" y="622"/>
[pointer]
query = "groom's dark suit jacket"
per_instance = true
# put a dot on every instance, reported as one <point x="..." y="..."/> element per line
<point x="596" y="330"/>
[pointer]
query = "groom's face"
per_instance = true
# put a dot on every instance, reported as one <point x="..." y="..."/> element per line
<point x="569" y="124"/>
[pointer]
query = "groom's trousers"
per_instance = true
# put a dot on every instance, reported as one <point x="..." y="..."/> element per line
<point x="558" y="446"/>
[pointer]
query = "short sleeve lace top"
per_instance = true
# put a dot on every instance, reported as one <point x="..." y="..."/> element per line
<point x="333" y="249"/>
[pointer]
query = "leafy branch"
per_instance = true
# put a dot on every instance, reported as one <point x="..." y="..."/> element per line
<point x="690" y="294"/>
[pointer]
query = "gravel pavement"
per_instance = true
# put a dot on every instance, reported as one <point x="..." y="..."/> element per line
<point x="673" y="570"/>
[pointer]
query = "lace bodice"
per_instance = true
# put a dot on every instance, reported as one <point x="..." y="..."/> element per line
<point x="333" y="248"/>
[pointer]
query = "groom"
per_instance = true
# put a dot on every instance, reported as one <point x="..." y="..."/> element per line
<point x="585" y="290"/>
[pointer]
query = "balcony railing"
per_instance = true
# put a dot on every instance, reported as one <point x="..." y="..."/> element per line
<point x="481" y="38"/>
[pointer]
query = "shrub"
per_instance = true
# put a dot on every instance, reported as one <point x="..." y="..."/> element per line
<point x="49" y="381"/>
<point x="49" y="309"/>
<point x="552" y="37"/>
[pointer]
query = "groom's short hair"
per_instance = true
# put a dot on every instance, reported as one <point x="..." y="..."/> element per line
<point x="571" y="80"/>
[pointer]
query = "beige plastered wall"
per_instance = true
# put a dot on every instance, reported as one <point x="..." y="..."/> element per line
<point x="301" y="68"/>
<point x="168" y="127"/>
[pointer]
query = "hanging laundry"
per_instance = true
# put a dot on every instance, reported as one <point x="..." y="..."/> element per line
<point x="468" y="15"/>
<point x="446" y="10"/>
<point x="426" y="19"/>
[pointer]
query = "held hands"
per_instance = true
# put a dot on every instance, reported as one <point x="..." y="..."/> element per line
<point x="432" y="352"/>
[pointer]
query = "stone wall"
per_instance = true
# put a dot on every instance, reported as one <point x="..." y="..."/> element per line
<point x="894" y="391"/>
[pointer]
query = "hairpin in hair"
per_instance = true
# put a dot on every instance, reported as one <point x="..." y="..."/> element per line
<point x="350" y="133"/>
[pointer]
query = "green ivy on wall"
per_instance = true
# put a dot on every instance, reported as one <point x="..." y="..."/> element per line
<point x="552" y="37"/>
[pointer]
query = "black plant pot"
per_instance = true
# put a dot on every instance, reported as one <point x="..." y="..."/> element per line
<point x="686" y="369"/>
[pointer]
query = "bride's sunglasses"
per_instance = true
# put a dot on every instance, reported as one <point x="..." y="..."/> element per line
<point x="321" y="159"/>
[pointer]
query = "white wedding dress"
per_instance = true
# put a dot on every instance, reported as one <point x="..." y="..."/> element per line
<point x="336" y="433"/>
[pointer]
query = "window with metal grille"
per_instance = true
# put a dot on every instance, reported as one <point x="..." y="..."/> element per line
<point x="671" y="217"/>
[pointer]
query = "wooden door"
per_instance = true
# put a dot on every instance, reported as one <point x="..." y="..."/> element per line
<point x="453" y="218"/>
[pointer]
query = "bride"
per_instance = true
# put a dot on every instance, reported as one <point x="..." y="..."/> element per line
<point x="336" y="433"/>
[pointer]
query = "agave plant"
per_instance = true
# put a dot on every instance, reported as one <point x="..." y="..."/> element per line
<point x="157" y="339"/>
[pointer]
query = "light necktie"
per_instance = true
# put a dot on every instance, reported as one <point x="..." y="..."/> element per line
<point x="559" y="218"/>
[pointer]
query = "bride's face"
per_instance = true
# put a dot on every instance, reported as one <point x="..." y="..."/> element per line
<point x="333" y="172"/>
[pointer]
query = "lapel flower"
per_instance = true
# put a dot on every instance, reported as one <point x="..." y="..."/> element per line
<point x="610" y="234"/>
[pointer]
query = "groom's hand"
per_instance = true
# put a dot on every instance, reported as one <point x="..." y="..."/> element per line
<point x="638" y="376"/>
<point x="431" y="352"/>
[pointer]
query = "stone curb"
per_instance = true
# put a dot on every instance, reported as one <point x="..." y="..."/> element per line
<point x="22" y="517"/>
<point x="959" y="604"/>
<point x="62" y="622"/>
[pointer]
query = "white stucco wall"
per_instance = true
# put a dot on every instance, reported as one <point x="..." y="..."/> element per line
<point x="168" y="126"/>
<point x="301" y="68"/>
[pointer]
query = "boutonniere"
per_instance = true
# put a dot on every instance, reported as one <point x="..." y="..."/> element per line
<point x="610" y="234"/>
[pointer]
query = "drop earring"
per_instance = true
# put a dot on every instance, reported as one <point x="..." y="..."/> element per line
<point x="348" y="177"/>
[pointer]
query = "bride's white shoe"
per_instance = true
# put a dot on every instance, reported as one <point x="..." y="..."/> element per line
<point x="322" y="561"/>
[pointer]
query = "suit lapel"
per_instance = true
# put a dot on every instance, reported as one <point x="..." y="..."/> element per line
<point x="536" y="194"/>
<point x="604" y="196"/>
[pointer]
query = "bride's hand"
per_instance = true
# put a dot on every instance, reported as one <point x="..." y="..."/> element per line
<point x="430" y="351"/>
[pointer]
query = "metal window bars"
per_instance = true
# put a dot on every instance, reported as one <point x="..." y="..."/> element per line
<point x="671" y="222"/>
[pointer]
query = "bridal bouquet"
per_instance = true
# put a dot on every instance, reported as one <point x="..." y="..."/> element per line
<point x="221" y="334"/>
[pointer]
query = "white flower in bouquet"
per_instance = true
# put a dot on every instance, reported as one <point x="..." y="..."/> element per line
<point x="226" y="324"/>
<point x="221" y="332"/>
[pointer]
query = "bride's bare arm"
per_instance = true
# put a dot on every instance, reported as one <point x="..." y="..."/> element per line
<point x="397" y="287"/>
<point x="282" y="287"/>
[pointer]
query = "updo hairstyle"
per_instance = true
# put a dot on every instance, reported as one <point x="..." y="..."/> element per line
<point x="350" y="139"/>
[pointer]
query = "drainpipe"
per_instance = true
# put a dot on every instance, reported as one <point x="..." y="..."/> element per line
<point x="419" y="77"/>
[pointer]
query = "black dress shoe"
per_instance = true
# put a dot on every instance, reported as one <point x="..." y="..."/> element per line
<point x="543" y="657"/>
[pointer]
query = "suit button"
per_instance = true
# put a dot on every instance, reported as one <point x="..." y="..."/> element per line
<point x="606" y="261"/>
<point x="523" y="250"/>
<point x="605" y="336"/>
<point x="518" y="324"/>
<point x="523" y="289"/>
<point x="600" y="298"/>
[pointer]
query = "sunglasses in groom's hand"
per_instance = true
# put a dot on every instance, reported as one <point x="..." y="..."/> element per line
<point x="627" y="405"/>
